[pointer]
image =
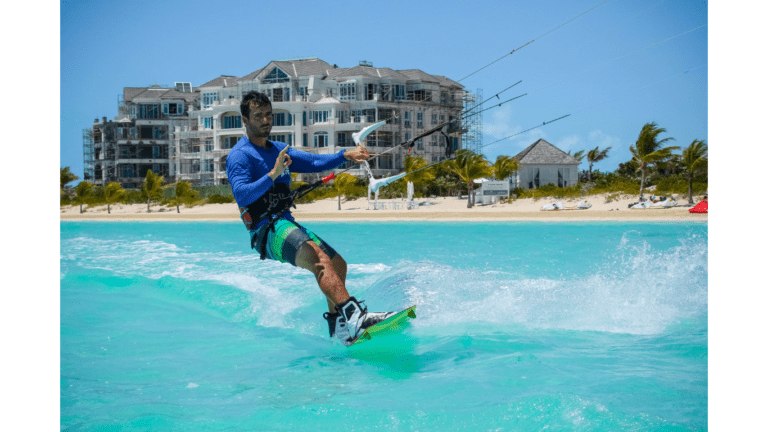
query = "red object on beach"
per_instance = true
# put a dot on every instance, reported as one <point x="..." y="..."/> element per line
<point x="701" y="207"/>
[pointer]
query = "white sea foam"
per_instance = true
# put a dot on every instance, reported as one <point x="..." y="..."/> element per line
<point x="637" y="291"/>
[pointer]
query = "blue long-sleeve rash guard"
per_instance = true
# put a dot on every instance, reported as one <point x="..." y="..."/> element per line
<point x="248" y="167"/>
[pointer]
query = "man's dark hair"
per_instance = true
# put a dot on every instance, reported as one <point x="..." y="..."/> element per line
<point x="253" y="96"/>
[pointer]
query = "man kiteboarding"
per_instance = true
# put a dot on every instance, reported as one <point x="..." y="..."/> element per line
<point x="258" y="172"/>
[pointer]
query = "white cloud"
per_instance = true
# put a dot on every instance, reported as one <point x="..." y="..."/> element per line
<point x="600" y="139"/>
<point x="571" y="142"/>
<point x="500" y="124"/>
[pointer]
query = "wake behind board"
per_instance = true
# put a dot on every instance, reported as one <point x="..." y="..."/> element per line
<point x="391" y="324"/>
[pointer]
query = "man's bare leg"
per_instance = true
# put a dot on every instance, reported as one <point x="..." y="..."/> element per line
<point x="330" y="274"/>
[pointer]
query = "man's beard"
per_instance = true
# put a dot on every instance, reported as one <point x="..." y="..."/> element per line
<point x="260" y="132"/>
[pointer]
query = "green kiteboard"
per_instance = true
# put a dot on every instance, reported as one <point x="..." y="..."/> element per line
<point x="393" y="323"/>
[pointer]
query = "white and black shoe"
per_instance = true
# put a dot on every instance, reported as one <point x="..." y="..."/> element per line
<point x="337" y="326"/>
<point x="358" y="318"/>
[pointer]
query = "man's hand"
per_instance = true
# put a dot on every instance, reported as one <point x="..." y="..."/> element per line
<point x="282" y="162"/>
<point x="358" y="154"/>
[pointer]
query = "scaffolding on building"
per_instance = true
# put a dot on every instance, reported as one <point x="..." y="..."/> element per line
<point x="473" y="123"/>
<point x="88" y="162"/>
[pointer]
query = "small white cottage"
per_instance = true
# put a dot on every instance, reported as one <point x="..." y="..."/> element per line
<point x="542" y="163"/>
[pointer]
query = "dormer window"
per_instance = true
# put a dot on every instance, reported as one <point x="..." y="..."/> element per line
<point x="275" y="76"/>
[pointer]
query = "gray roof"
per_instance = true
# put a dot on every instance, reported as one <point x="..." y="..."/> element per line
<point x="250" y="76"/>
<point x="294" y="68"/>
<point x="544" y="153"/>
<point x="222" y="81"/>
<point x="417" y="74"/>
<point x="131" y="93"/>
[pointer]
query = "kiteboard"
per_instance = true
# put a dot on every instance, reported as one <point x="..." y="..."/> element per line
<point x="391" y="324"/>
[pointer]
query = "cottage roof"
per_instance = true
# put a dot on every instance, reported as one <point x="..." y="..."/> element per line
<point x="543" y="153"/>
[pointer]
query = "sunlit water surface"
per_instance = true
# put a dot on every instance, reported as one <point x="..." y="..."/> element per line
<point x="521" y="326"/>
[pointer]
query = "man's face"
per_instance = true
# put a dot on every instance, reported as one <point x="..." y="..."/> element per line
<point x="259" y="121"/>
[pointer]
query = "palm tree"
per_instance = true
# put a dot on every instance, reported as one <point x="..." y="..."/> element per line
<point x="695" y="160"/>
<point x="649" y="150"/>
<point x="184" y="194"/>
<point x="420" y="177"/>
<point x="504" y="167"/>
<point x="343" y="184"/>
<point x="66" y="177"/>
<point x="469" y="166"/>
<point x="113" y="193"/>
<point x="579" y="155"/>
<point x="152" y="187"/>
<point x="593" y="156"/>
<point x="82" y="193"/>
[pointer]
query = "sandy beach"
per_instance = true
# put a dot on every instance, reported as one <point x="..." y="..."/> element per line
<point x="434" y="209"/>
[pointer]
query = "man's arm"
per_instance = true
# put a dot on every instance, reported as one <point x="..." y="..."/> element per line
<point x="306" y="162"/>
<point x="244" y="188"/>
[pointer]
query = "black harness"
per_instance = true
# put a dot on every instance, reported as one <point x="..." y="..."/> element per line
<point x="278" y="199"/>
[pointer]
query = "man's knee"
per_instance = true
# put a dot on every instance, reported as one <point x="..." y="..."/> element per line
<point x="340" y="265"/>
<point x="313" y="258"/>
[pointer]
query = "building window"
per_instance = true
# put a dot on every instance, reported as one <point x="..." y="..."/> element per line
<point x="209" y="99"/>
<point x="208" y="122"/>
<point x="420" y="144"/>
<point x="277" y="138"/>
<point x="342" y="116"/>
<point x="155" y="151"/>
<point x="434" y="119"/>
<point x="341" y="139"/>
<point x="275" y="76"/>
<point x="232" y="122"/>
<point x="347" y="91"/>
<point x="320" y="116"/>
<point x="420" y="120"/>
<point x="229" y="141"/>
<point x="304" y="142"/>
<point x="148" y="111"/>
<point x="370" y="91"/>
<point x="208" y="164"/>
<point x="399" y="92"/>
<point x="407" y="119"/>
<point x="209" y="144"/>
<point x="172" y="109"/>
<point x="278" y="119"/>
<point x="321" y="139"/>
<point x="128" y="171"/>
<point x="385" y="92"/>
<point x="158" y="132"/>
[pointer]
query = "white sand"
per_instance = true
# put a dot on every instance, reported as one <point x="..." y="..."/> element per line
<point x="443" y="209"/>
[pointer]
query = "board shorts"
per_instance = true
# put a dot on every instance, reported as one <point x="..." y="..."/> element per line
<point x="286" y="239"/>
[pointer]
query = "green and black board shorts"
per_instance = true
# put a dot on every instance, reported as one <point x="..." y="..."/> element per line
<point x="286" y="239"/>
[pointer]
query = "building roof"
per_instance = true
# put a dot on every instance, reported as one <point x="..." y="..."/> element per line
<point x="222" y="81"/>
<point x="417" y="74"/>
<point x="544" y="153"/>
<point x="156" y="92"/>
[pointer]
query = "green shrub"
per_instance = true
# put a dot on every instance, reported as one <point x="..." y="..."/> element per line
<point x="220" y="199"/>
<point x="550" y="190"/>
<point x="133" y="196"/>
<point x="678" y="184"/>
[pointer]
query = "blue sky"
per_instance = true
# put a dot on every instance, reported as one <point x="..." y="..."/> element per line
<point x="614" y="68"/>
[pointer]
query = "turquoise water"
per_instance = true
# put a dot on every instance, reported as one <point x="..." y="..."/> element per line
<point x="521" y="326"/>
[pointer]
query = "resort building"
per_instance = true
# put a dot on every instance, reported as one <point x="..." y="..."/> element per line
<point x="541" y="163"/>
<point x="186" y="132"/>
